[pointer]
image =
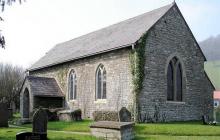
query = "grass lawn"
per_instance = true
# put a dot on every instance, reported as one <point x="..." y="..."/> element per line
<point x="178" y="129"/>
<point x="150" y="131"/>
<point x="80" y="126"/>
<point x="10" y="134"/>
<point x="166" y="137"/>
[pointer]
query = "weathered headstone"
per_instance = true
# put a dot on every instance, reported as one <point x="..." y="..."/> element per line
<point x="125" y="115"/>
<point x="26" y="136"/>
<point x="10" y="113"/>
<point x="39" y="127"/>
<point x="4" y="115"/>
<point x="205" y="119"/>
<point x="40" y="121"/>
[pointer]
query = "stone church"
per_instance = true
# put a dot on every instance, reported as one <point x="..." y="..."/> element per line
<point x="151" y="64"/>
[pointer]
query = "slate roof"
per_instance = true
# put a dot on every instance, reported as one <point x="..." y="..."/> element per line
<point x="113" y="37"/>
<point x="46" y="87"/>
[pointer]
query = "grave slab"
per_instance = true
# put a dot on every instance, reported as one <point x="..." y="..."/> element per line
<point x="113" y="130"/>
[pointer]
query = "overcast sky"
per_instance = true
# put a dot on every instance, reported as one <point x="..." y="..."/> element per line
<point x="33" y="28"/>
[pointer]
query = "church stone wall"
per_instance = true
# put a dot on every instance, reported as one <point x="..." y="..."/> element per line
<point x="119" y="88"/>
<point x="171" y="37"/>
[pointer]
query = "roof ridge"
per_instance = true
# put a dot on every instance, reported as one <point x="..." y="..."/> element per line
<point x="117" y="23"/>
<point x="112" y="37"/>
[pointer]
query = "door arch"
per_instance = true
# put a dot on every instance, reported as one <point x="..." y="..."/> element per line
<point x="26" y="104"/>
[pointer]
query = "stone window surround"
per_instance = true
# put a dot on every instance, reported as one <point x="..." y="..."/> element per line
<point x="100" y="100"/>
<point x="183" y="78"/>
<point x="72" y="71"/>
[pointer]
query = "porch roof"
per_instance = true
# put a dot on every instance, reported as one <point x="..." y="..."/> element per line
<point x="44" y="87"/>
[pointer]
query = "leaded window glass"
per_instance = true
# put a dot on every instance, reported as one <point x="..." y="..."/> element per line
<point x="72" y="85"/>
<point x="101" y="82"/>
<point x="174" y="80"/>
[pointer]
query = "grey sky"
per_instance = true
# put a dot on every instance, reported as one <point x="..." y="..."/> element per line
<point x="31" y="29"/>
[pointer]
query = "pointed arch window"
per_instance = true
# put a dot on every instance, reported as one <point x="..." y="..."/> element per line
<point x="101" y="82"/>
<point x="174" y="80"/>
<point x="72" y="85"/>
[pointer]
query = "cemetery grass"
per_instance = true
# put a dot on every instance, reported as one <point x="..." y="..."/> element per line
<point x="10" y="134"/>
<point x="150" y="131"/>
<point x="192" y="128"/>
<point x="177" y="131"/>
<point x="79" y="126"/>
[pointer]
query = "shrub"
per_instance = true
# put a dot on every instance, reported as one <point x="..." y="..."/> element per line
<point x="105" y="116"/>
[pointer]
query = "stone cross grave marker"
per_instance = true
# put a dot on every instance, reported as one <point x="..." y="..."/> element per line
<point x="124" y="115"/>
<point x="40" y="121"/>
<point x="4" y="115"/>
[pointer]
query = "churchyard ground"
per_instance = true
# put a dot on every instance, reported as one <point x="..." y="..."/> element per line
<point x="151" y="131"/>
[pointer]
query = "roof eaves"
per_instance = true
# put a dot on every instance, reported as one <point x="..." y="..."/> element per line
<point x="84" y="56"/>
<point x="53" y="96"/>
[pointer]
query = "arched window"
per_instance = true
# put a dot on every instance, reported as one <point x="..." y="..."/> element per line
<point x="170" y="90"/>
<point x="72" y="85"/>
<point x="174" y="80"/>
<point x="101" y="82"/>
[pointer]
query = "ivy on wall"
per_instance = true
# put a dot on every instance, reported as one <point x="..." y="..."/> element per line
<point x="137" y="62"/>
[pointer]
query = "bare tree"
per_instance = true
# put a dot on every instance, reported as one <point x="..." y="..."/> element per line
<point x="3" y="3"/>
<point x="11" y="79"/>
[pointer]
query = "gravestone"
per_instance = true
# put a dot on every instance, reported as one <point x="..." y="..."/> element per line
<point x="39" y="131"/>
<point x="10" y="113"/>
<point x="124" y="115"/>
<point x="4" y="115"/>
<point x="205" y="119"/>
<point x="28" y="136"/>
<point x="40" y="121"/>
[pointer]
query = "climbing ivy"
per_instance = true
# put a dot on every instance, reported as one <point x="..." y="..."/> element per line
<point x="137" y="63"/>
